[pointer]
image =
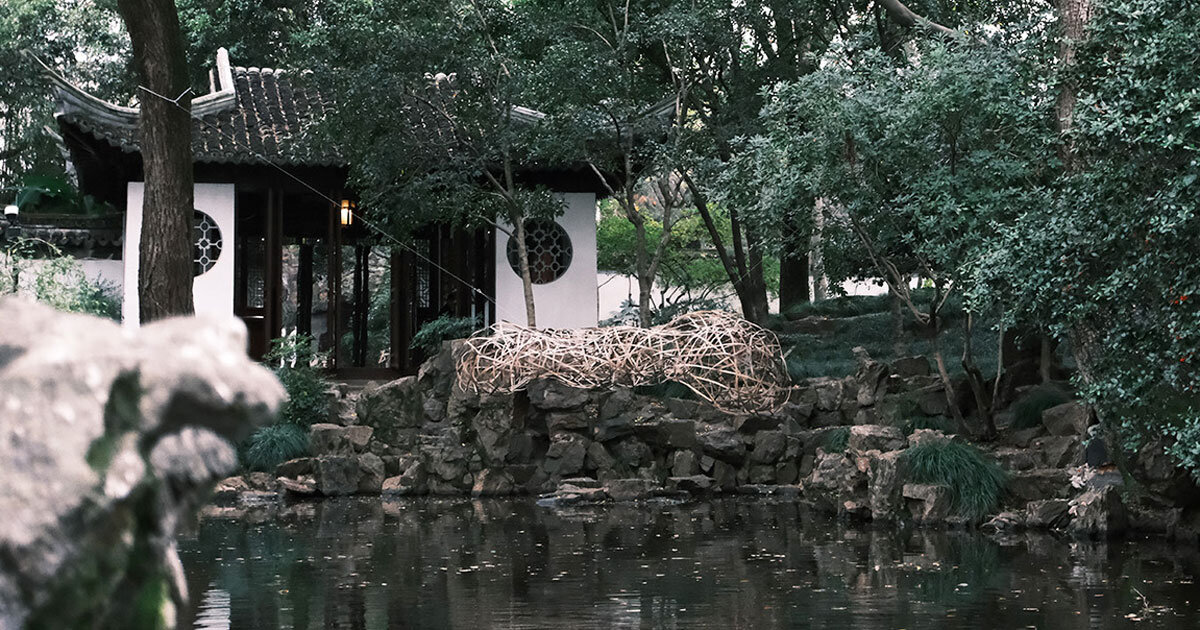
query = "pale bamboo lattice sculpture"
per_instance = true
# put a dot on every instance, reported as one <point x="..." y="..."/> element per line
<point x="731" y="363"/>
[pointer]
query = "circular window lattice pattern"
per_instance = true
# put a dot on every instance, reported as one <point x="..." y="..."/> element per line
<point x="548" y="248"/>
<point x="207" y="243"/>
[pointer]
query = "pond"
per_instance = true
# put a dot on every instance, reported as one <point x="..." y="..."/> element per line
<point x="726" y="563"/>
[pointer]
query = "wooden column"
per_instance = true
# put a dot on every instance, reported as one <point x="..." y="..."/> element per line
<point x="304" y="285"/>
<point x="273" y="298"/>
<point x="333" y="284"/>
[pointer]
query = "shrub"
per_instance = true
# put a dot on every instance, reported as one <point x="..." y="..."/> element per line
<point x="431" y="335"/>
<point x="293" y="358"/>
<point x="975" y="480"/>
<point x="1027" y="412"/>
<point x="836" y="440"/>
<point x="274" y="444"/>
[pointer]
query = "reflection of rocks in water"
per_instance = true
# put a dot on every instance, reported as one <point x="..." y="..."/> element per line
<point x="458" y="563"/>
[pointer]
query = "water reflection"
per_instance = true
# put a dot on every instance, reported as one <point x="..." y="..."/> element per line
<point x="427" y="563"/>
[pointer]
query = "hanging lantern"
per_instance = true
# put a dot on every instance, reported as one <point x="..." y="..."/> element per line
<point x="348" y="209"/>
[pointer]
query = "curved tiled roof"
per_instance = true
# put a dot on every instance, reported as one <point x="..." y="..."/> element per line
<point x="255" y="112"/>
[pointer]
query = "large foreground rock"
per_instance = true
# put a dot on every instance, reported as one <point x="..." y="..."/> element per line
<point x="109" y="438"/>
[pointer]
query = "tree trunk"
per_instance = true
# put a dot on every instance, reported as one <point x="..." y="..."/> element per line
<point x="793" y="269"/>
<point x="517" y="219"/>
<point x="644" y="277"/>
<point x="899" y="341"/>
<point x="1074" y="16"/>
<point x="817" y="255"/>
<point x="165" y="135"/>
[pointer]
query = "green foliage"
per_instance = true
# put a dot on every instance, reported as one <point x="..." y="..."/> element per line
<point x="836" y="440"/>
<point x="975" y="480"/>
<point x="831" y="354"/>
<point x="1027" y="412"/>
<point x="53" y="194"/>
<point x="274" y="444"/>
<point x="293" y="360"/>
<point x="38" y="270"/>
<point x="446" y="327"/>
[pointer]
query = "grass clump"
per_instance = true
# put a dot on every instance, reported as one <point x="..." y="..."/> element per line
<point x="975" y="480"/>
<point x="272" y="445"/>
<point x="836" y="440"/>
<point x="1027" y="412"/>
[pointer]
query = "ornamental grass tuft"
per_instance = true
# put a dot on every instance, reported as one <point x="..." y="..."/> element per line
<point x="272" y="445"/>
<point x="975" y="480"/>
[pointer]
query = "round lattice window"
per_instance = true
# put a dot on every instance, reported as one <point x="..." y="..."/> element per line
<point x="206" y="248"/>
<point x="549" y="250"/>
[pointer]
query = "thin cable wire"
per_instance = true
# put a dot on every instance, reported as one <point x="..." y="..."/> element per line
<point x="322" y="195"/>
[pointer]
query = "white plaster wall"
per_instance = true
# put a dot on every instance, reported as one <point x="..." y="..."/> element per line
<point x="213" y="290"/>
<point x="570" y="301"/>
<point x="110" y="272"/>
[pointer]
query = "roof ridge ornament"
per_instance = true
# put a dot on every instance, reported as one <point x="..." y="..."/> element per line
<point x="74" y="99"/>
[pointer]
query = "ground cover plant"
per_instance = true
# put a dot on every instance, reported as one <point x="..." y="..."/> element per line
<point x="297" y="366"/>
<point x="976" y="481"/>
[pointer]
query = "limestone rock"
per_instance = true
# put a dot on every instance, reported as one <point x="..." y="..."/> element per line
<point x="1098" y="513"/>
<point x="927" y="503"/>
<point x="921" y="436"/>
<point x="875" y="437"/>
<point x="908" y="367"/>
<point x="1070" y="418"/>
<point x="692" y="484"/>
<point x="834" y="480"/>
<point x="371" y="473"/>
<point x="359" y="437"/>
<point x="1057" y="451"/>
<point x="684" y="464"/>
<point x="630" y="489"/>
<point x="721" y="442"/>
<point x="390" y="407"/>
<point x="304" y="485"/>
<point x="558" y="421"/>
<point x="667" y="432"/>
<point x="411" y="481"/>
<point x="550" y="394"/>
<point x="1047" y="514"/>
<point x="566" y="454"/>
<point x="101" y="423"/>
<point x="337" y="475"/>
<point x="598" y="458"/>
<point x="885" y="485"/>
<point x="295" y="467"/>
<point x="1039" y="484"/>
<point x="871" y="378"/>
<point x="494" y="433"/>
<point x="329" y="439"/>
<point x="768" y="447"/>
<point x="492" y="482"/>
<point x="631" y="452"/>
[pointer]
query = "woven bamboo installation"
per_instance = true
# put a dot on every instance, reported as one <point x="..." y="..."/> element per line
<point x="731" y="363"/>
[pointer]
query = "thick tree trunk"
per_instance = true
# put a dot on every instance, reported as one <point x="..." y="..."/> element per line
<point x="164" y="132"/>
<point x="1074" y="16"/>
<point x="793" y="267"/>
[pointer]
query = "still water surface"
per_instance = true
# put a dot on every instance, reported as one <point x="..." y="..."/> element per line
<point x="730" y="563"/>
